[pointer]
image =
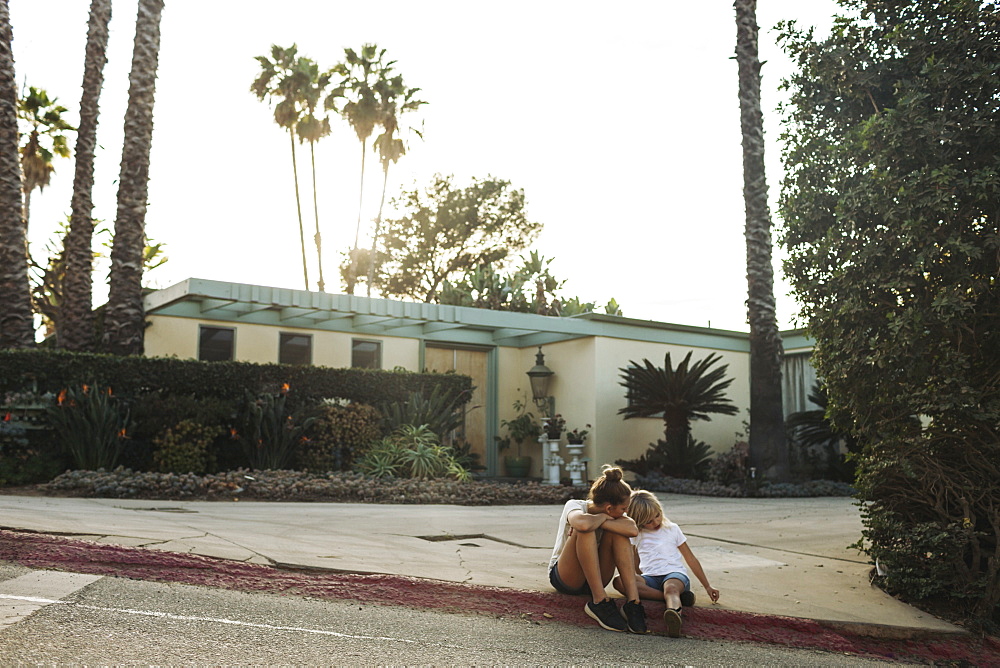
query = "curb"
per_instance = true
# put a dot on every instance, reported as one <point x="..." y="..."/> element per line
<point x="41" y="551"/>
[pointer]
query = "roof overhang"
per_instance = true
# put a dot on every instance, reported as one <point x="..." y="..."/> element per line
<point x="255" y="304"/>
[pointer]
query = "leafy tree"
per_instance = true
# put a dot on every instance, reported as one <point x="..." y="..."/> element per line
<point x="893" y="235"/>
<point x="445" y="231"/>
<point x="75" y="328"/>
<point x="682" y="394"/>
<point x="124" y="320"/>
<point x="284" y="78"/>
<point x="768" y="448"/>
<point x="44" y="140"/>
<point x="16" y="324"/>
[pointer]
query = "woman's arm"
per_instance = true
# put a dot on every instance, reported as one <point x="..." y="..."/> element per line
<point x="699" y="572"/>
<point x="581" y="521"/>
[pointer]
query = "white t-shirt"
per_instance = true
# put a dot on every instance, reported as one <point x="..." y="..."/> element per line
<point x="658" y="553"/>
<point x="562" y="534"/>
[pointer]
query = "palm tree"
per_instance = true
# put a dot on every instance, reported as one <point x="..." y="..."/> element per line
<point x="389" y="147"/>
<point x="282" y="78"/>
<point x="681" y="395"/>
<point x="16" y="320"/>
<point x="768" y="446"/>
<point x="75" y="329"/>
<point x="44" y="118"/>
<point x="124" y="319"/>
<point x="361" y="73"/>
<point x="311" y="128"/>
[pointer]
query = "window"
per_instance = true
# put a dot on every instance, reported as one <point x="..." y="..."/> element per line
<point x="366" y="354"/>
<point x="215" y="344"/>
<point x="294" y="348"/>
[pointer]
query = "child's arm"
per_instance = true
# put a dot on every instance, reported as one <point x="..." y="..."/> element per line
<point x="699" y="572"/>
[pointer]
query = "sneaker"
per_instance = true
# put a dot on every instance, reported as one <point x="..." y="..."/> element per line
<point x="687" y="599"/>
<point x="606" y="614"/>
<point x="672" y="618"/>
<point x="635" y="617"/>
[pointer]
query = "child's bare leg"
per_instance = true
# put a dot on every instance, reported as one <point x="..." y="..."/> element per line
<point x="672" y="589"/>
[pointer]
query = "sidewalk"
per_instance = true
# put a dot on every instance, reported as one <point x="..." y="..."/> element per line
<point x="786" y="557"/>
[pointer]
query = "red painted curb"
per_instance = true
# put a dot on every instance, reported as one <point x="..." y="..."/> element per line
<point x="51" y="552"/>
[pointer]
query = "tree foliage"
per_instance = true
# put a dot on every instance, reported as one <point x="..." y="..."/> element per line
<point x="445" y="231"/>
<point x="528" y="288"/>
<point x="892" y="231"/>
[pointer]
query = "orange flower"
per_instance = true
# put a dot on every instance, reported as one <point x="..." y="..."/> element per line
<point x="61" y="398"/>
<point x="284" y="388"/>
<point x="233" y="433"/>
<point x="6" y="418"/>
<point x="121" y="433"/>
<point x="86" y="388"/>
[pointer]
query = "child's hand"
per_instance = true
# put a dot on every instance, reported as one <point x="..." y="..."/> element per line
<point x="713" y="594"/>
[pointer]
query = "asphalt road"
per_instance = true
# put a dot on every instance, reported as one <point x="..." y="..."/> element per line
<point x="106" y="620"/>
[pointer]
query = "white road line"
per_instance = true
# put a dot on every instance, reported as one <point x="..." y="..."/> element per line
<point x="28" y="601"/>
<point x="24" y="595"/>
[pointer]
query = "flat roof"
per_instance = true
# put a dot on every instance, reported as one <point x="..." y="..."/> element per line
<point x="257" y="304"/>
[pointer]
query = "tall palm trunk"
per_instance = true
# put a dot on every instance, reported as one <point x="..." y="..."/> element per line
<point x="75" y="328"/>
<point x="298" y="208"/>
<point x="16" y="321"/>
<point x="768" y="448"/>
<point x="378" y="230"/>
<point x="124" y="321"/>
<point x="318" y="239"/>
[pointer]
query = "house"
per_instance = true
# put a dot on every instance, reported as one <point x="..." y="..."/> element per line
<point x="212" y="320"/>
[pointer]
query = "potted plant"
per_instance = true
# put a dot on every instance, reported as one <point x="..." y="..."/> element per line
<point x="520" y="429"/>
<point x="577" y="436"/>
<point x="554" y="427"/>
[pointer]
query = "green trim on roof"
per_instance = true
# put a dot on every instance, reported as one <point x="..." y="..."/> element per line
<point x="240" y="303"/>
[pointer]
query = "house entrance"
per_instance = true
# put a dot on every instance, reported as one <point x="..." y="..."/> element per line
<point x="472" y="362"/>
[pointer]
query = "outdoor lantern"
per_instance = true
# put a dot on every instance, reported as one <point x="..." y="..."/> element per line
<point x="540" y="376"/>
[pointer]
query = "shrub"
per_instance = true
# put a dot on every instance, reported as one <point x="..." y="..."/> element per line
<point x="185" y="448"/>
<point x="688" y="458"/>
<point x="91" y="425"/>
<point x="728" y="468"/>
<point x="338" y="436"/>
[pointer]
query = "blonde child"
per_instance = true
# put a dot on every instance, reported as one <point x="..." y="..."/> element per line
<point x="593" y="540"/>
<point x="660" y="553"/>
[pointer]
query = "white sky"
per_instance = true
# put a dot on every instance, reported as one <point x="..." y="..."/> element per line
<point x="621" y="125"/>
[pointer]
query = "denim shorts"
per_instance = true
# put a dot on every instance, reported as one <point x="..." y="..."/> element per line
<point x="561" y="586"/>
<point x="656" y="581"/>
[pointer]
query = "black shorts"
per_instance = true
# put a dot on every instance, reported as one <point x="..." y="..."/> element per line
<point x="561" y="587"/>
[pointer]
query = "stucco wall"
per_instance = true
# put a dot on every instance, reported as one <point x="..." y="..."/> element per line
<point x="173" y="336"/>
<point x="618" y="438"/>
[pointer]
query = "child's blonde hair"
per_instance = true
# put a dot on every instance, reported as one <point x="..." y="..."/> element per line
<point x="644" y="507"/>
<point x="609" y="488"/>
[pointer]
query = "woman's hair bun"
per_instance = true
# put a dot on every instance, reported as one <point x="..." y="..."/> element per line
<point x="611" y="473"/>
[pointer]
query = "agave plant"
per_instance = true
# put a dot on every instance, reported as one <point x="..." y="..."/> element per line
<point x="411" y="452"/>
<point x="443" y="414"/>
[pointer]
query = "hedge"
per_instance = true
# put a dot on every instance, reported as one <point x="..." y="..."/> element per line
<point x="54" y="370"/>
